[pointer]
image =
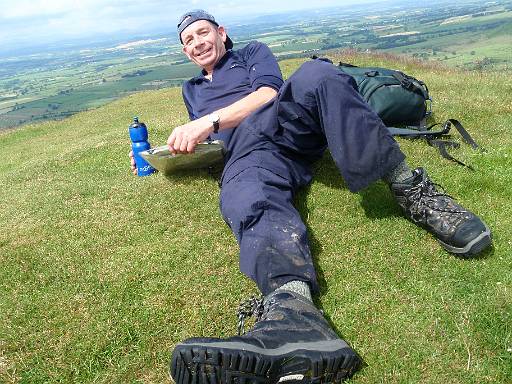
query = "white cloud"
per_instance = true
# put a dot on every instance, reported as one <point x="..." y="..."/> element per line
<point x="22" y="9"/>
<point x="27" y="21"/>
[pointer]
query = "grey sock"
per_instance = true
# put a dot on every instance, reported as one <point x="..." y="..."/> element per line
<point x="297" y="286"/>
<point x="398" y="174"/>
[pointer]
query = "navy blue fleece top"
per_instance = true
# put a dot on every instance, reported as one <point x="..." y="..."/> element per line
<point x="235" y="76"/>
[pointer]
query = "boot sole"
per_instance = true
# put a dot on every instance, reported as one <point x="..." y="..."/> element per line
<point x="475" y="246"/>
<point x="241" y="363"/>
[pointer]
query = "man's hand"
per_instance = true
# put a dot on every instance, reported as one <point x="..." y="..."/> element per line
<point x="184" y="138"/>
<point x="132" y="163"/>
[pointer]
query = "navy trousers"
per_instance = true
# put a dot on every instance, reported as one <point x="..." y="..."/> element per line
<point x="270" y="156"/>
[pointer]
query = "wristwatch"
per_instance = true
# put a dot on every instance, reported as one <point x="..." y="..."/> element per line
<point x="214" y="118"/>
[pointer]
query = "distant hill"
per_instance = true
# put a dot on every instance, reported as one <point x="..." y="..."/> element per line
<point x="39" y="86"/>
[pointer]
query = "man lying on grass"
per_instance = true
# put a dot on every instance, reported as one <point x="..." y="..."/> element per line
<point x="274" y="131"/>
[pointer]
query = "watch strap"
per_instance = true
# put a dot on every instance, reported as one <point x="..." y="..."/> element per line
<point x="215" y="120"/>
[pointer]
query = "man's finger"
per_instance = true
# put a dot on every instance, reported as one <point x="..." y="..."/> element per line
<point x="183" y="146"/>
<point x="177" y="144"/>
<point x="191" y="146"/>
<point x="171" y="141"/>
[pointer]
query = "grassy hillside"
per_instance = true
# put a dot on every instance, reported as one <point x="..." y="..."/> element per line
<point x="102" y="272"/>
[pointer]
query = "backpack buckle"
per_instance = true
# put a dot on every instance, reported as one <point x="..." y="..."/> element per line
<point x="428" y="107"/>
<point x="407" y="84"/>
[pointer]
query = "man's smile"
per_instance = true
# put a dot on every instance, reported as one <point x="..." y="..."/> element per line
<point x="204" y="52"/>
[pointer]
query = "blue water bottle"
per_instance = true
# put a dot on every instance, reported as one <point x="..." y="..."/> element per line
<point x="139" y="136"/>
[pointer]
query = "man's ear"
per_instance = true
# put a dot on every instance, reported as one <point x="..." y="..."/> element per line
<point x="223" y="33"/>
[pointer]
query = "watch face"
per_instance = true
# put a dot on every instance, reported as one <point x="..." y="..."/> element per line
<point x="213" y="117"/>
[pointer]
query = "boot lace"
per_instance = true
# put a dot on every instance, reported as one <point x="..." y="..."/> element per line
<point x="251" y="307"/>
<point x="425" y="195"/>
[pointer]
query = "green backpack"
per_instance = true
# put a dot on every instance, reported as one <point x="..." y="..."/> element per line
<point x="397" y="98"/>
<point x="403" y="100"/>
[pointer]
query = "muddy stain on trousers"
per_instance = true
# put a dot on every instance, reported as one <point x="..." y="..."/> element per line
<point x="270" y="156"/>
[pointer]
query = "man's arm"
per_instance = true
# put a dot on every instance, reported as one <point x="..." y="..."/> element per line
<point x="184" y="138"/>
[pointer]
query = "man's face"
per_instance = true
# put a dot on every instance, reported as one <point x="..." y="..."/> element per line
<point x="203" y="43"/>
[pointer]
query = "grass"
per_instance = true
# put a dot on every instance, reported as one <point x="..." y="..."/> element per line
<point x="102" y="272"/>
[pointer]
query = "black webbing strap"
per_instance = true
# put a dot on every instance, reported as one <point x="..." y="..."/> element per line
<point x="408" y="83"/>
<point x="422" y="124"/>
<point x="327" y="60"/>
<point x="342" y="64"/>
<point x="420" y="131"/>
<point x="403" y="79"/>
<point x="465" y="135"/>
<point x="442" y="145"/>
<point x="432" y="136"/>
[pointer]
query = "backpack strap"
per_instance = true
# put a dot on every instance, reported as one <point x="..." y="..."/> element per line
<point x="442" y="146"/>
<point x="465" y="134"/>
<point x="342" y="64"/>
<point x="421" y="131"/>
<point x="327" y="60"/>
<point x="408" y="83"/>
<point x="432" y="137"/>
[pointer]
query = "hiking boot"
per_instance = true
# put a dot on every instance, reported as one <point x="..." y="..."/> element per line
<point x="290" y="342"/>
<point x="458" y="230"/>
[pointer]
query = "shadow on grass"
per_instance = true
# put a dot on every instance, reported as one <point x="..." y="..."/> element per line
<point x="314" y="245"/>
<point x="327" y="317"/>
<point x="376" y="201"/>
<point x="481" y="256"/>
<point x="191" y="176"/>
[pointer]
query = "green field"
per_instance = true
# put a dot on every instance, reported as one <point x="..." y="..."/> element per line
<point x="103" y="272"/>
<point x="52" y="85"/>
<point x="472" y="49"/>
<point x="75" y="98"/>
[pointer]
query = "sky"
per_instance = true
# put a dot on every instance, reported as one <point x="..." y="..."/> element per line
<point x="34" y="22"/>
